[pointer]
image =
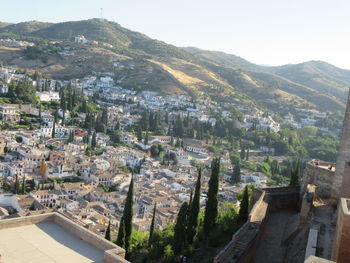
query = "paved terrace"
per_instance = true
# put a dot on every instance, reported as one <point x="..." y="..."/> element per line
<point x="45" y="243"/>
<point x="51" y="238"/>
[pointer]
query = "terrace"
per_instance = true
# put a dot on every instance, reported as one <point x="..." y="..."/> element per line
<point x="53" y="238"/>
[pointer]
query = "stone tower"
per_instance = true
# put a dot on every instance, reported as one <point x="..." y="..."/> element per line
<point x="342" y="172"/>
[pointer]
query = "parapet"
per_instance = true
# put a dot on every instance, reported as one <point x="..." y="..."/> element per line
<point x="320" y="174"/>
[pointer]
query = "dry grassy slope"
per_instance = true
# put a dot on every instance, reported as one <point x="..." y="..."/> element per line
<point x="97" y="60"/>
<point x="319" y="83"/>
<point x="195" y="77"/>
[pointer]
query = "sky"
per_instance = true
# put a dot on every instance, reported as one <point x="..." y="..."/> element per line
<point x="269" y="32"/>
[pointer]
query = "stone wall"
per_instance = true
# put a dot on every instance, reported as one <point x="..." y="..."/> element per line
<point x="88" y="236"/>
<point x="244" y="240"/>
<point x="323" y="179"/>
<point x="27" y="220"/>
<point x="242" y="247"/>
<point x="341" y="245"/>
<point x="282" y="197"/>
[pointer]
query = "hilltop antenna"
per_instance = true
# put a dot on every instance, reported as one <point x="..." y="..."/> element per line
<point x="101" y="14"/>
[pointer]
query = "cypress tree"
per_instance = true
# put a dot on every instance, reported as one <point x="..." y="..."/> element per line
<point x="242" y="152"/>
<point x="146" y="139"/>
<point x="127" y="218"/>
<point x="84" y="106"/>
<point x="194" y="210"/>
<point x="296" y="175"/>
<point x="53" y="130"/>
<point x="236" y="174"/>
<point x="180" y="229"/>
<point x="211" y="208"/>
<point x="56" y="116"/>
<point x="93" y="141"/>
<point x="40" y="111"/>
<point x="139" y="133"/>
<point x="117" y="126"/>
<point x="151" y="231"/>
<point x="121" y="234"/>
<point x="108" y="231"/>
<point x="64" y="113"/>
<point x="24" y="185"/>
<point x="244" y="207"/>
<point x="104" y="117"/>
<point x="63" y="98"/>
<point x="16" y="185"/>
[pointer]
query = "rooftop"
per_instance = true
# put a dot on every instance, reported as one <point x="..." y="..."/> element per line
<point x="45" y="242"/>
<point x="52" y="237"/>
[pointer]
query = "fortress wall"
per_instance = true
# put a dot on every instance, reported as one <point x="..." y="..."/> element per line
<point x="242" y="247"/>
<point x="282" y="197"/>
<point x="341" y="248"/>
<point x="237" y="249"/>
<point x="322" y="178"/>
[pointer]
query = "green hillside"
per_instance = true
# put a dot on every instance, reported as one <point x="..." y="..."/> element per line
<point x="167" y="68"/>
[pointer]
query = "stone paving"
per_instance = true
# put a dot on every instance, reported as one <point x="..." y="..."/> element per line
<point x="45" y="242"/>
<point x="270" y="249"/>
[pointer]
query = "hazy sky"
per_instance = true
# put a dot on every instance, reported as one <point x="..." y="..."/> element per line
<point x="272" y="32"/>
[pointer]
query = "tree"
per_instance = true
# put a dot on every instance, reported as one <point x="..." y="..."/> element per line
<point x="121" y="234"/>
<point x="139" y="133"/>
<point x="242" y="152"/>
<point x="54" y="128"/>
<point x="211" y="208"/>
<point x="236" y="174"/>
<point x="296" y="175"/>
<point x="40" y="111"/>
<point x="71" y="136"/>
<point x="93" y="141"/>
<point x="23" y="185"/>
<point x="151" y="231"/>
<point x="104" y="117"/>
<point x="23" y="91"/>
<point x="146" y="139"/>
<point x="64" y="109"/>
<point x="108" y="231"/>
<point x="16" y="190"/>
<point x="194" y="210"/>
<point x="180" y="229"/>
<point x="145" y="121"/>
<point x="244" y="207"/>
<point x="127" y="219"/>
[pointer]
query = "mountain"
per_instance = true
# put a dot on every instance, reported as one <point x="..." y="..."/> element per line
<point x="140" y="62"/>
<point x="24" y="28"/>
<point x="222" y="59"/>
<point x="316" y="82"/>
<point x="318" y="75"/>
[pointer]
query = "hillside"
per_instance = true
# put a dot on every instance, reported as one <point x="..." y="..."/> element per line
<point x="316" y="82"/>
<point x="139" y="62"/>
